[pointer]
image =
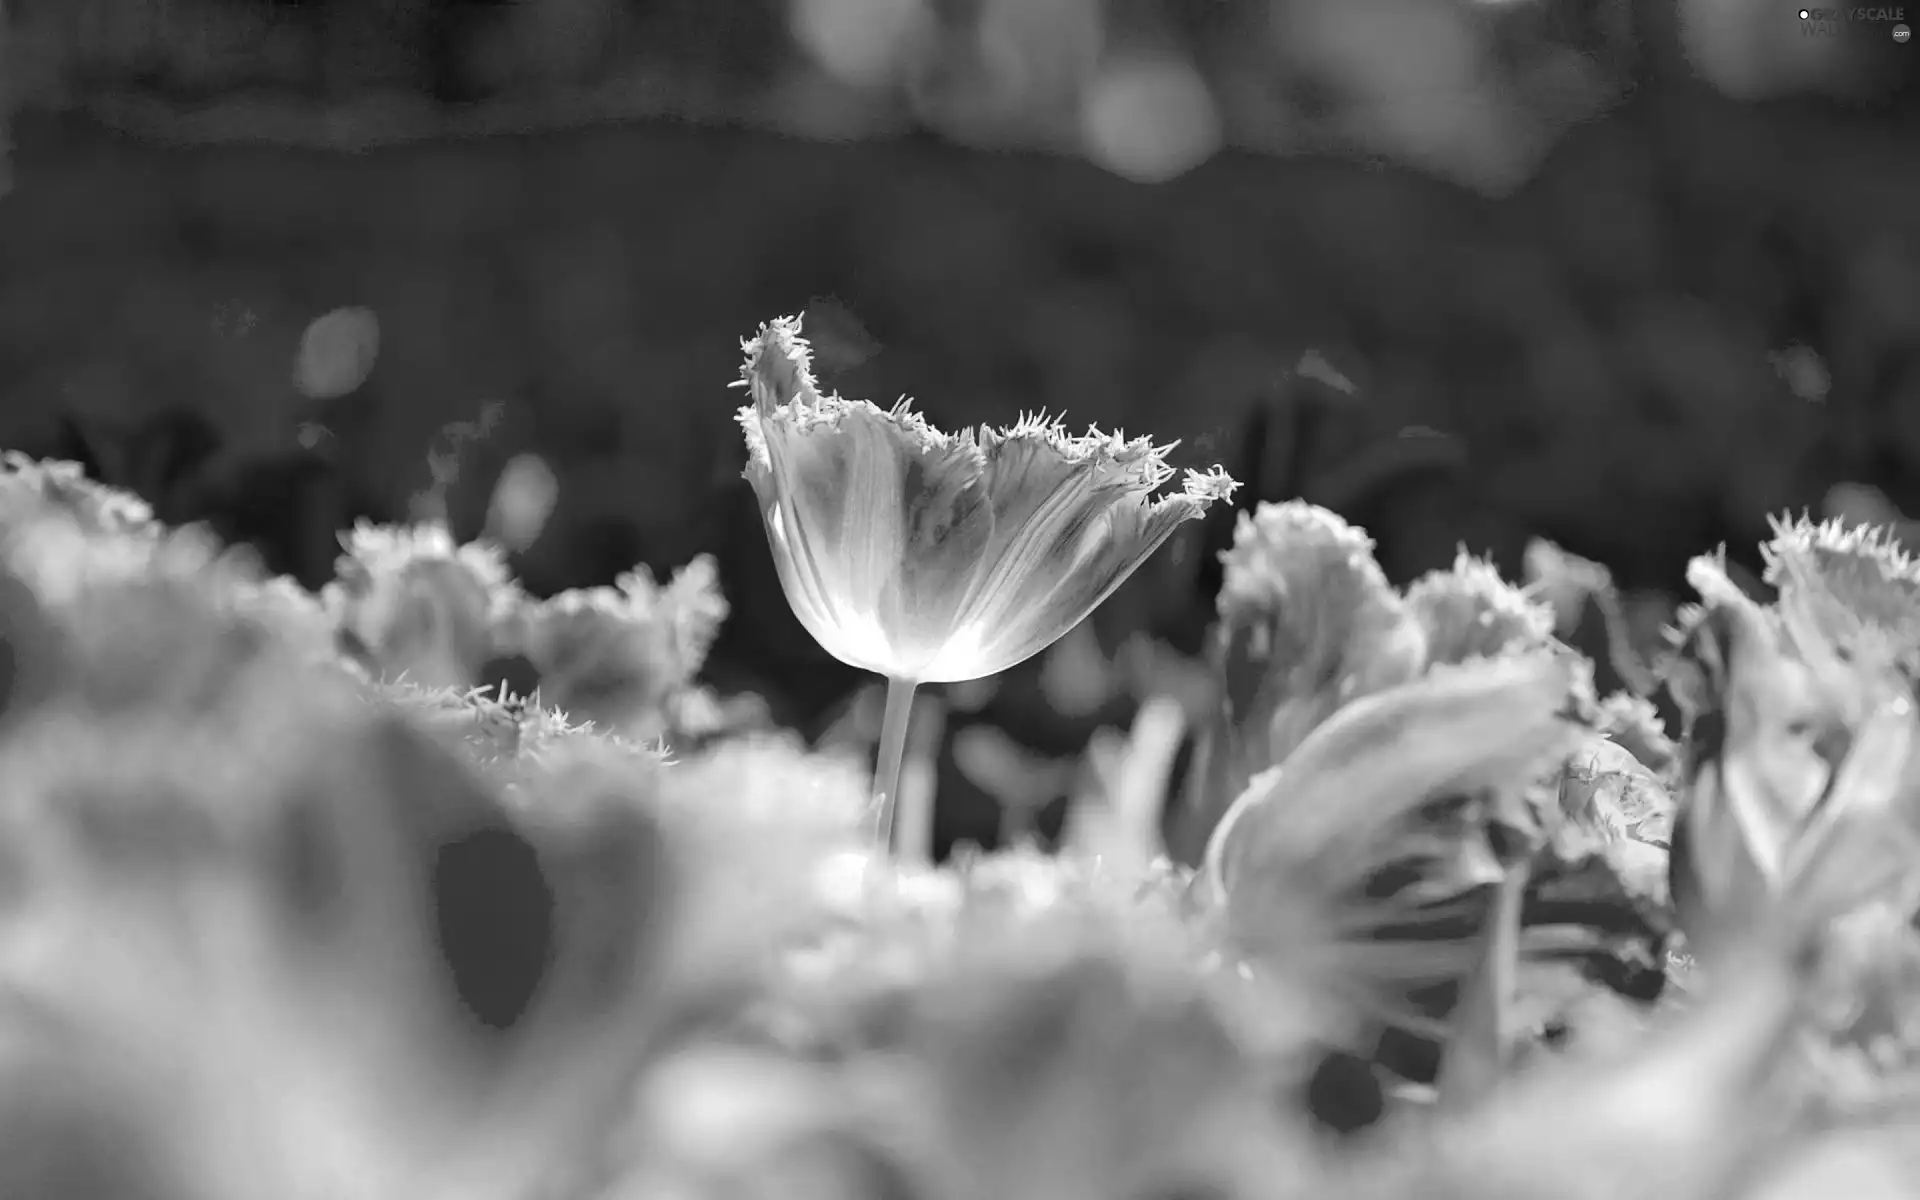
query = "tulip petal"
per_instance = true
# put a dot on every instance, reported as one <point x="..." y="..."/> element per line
<point x="818" y="483"/>
<point x="1046" y="485"/>
<point x="799" y="569"/>
<point x="1056" y="582"/>
<point x="879" y="519"/>
<point x="947" y="526"/>
<point x="940" y="557"/>
<point x="778" y="379"/>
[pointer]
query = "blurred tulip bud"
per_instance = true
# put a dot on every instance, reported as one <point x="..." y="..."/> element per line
<point x="337" y="353"/>
<point x="523" y="499"/>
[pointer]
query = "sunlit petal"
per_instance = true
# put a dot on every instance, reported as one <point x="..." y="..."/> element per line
<point x="1047" y="485"/>
<point x="1060" y="581"/>
<point x="946" y="525"/>
<point x="940" y="557"/>
<point x="845" y="488"/>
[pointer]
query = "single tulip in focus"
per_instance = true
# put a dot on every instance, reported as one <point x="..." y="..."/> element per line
<point x="931" y="557"/>
<point x="940" y="557"/>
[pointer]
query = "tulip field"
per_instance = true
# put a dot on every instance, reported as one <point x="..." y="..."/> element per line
<point x="291" y="908"/>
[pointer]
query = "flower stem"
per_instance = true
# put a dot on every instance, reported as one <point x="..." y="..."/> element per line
<point x="893" y="749"/>
<point x="1482" y="1036"/>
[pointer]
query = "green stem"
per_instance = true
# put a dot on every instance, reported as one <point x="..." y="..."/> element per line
<point x="1482" y="1035"/>
<point x="893" y="749"/>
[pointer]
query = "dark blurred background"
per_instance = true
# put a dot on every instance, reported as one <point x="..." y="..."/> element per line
<point x="1629" y="275"/>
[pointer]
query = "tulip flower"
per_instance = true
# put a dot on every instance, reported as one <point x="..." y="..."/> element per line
<point x="932" y="557"/>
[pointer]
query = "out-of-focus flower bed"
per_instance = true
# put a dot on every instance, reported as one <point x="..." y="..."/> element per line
<point x="285" y="915"/>
<point x="1565" y="286"/>
<point x="1666" y="336"/>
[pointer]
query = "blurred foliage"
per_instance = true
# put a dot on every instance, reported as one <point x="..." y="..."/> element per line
<point x="1472" y="90"/>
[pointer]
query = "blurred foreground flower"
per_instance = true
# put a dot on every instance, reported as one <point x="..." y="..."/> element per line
<point x="1307" y="623"/>
<point x="930" y="557"/>
<point x="1291" y="858"/>
<point x="1383" y="801"/>
<point x="293" y="946"/>
<point x="413" y="603"/>
<point x="618" y="656"/>
<point x="337" y="353"/>
<point x="1799" y="729"/>
<point x="1698" y="1109"/>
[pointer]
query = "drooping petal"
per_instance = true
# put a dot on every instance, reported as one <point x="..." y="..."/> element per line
<point x="1860" y="846"/>
<point x="1456" y="730"/>
<point x="1056" y="583"/>
<point x="1350" y="800"/>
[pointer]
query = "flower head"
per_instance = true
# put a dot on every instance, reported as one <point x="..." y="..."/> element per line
<point x="617" y="656"/>
<point x="1857" y="586"/>
<point x="940" y="557"/>
<point x="30" y="487"/>
<point x="1471" y="612"/>
<point x="1308" y="623"/>
<point x="418" y="603"/>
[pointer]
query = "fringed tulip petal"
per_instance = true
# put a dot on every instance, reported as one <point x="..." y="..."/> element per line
<point x="936" y="557"/>
<point x="1064" y="578"/>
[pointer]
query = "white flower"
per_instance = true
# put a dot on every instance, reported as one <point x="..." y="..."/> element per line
<point x="935" y="557"/>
